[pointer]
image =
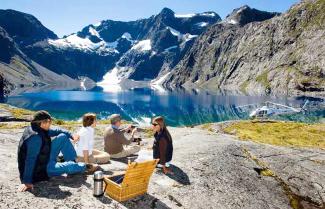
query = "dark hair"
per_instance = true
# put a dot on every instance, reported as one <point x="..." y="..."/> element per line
<point x="163" y="128"/>
<point x="88" y="119"/>
<point x="39" y="117"/>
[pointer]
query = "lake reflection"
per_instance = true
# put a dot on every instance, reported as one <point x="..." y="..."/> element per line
<point x="180" y="107"/>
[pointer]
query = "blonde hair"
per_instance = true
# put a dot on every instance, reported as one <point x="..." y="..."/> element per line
<point x="88" y="119"/>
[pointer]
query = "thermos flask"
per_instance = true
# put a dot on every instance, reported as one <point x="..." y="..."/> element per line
<point x="98" y="183"/>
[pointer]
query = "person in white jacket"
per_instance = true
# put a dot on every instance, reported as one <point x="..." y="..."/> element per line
<point x="85" y="146"/>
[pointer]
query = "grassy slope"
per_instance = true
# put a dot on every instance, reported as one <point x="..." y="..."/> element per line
<point x="280" y="133"/>
<point x="69" y="125"/>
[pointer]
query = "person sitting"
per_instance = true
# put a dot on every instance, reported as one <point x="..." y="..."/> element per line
<point x="37" y="152"/>
<point x="84" y="147"/>
<point x="114" y="139"/>
<point x="163" y="144"/>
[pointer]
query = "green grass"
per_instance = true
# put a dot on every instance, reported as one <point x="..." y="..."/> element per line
<point x="18" y="112"/>
<point x="208" y="127"/>
<point x="148" y="132"/>
<point x="15" y="61"/>
<point x="15" y="125"/>
<point x="280" y="133"/>
<point x="314" y="15"/>
<point x="265" y="170"/>
<point x="262" y="79"/>
<point x="243" y="86"/>
<point x="69" y="125"/>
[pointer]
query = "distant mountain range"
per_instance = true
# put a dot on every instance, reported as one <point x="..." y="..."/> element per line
<point x="141" y="48"/>
<point x="250" y="51"/>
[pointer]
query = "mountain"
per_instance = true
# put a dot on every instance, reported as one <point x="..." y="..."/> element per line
<point x="14" y="65"/>
<point x="18" y="71"/>
<point x="268" y="54"/>
<point x="163" y="44"/>
<point x="249" y="51"/>
<point x="138" y="50"/>
<point x="245" y="15"/>
<point x="24" y="28"/>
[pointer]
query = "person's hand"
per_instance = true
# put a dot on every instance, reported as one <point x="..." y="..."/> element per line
<point x="134" y="131"/>
<point x="75" y="137"/>
<point x="128" y="129"/>
<point x="167" y="170"/>
<point x="25" y="187"/>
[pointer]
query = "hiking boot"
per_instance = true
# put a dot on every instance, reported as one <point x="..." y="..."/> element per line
<point x="91" y="168"/>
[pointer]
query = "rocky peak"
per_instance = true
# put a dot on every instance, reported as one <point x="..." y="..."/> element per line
<point x="166" y="12"/>
<point x="24" y="28"/>
<point x="245" y="15"/>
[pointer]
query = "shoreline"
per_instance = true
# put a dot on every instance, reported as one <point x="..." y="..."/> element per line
<point x="10" y="113"/>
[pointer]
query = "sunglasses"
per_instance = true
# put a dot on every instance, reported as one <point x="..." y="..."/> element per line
<point x="155" y="124"/>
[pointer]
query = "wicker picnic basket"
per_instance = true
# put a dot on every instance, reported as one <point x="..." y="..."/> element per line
<point x="134" y="182"/>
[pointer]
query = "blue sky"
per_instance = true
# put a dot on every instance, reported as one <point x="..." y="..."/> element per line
<point x="69" y="16"/>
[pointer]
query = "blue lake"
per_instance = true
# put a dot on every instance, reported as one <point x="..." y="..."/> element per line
<point x="181" y="107"/>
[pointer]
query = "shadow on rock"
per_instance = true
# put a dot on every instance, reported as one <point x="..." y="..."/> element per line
<point x="146" y="201"/>
<point x="51" y="190"/>
<point x="179" y="175"/>
<point x="105" y="171"/>
<point x="104" y="199"/>
<point x="126" y="159"/>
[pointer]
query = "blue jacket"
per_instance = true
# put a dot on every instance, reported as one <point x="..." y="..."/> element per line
<point x="33" y="145"/>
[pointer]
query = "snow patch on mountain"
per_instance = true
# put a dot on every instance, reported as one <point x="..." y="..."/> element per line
<point x="184" y="15"/>
<point x="144" y="45"/>
<point x="112" y="44"/>
<point x="94" y="32"/>
<point x="242" y="9"/>
<point x="97" y="24"/>
<point x="74" y="41"/>
<point x="170" y="48"/>
<point x="111" y="78"/>
<point x="202" y="24"/>
<point x="156" y="84"/>
<point x="181" y="37"/>
<point x="189" y="37"/>
<point x="207" y="14"/>
<point x="232" y="21"/>
<point x="159" y="81"/>
<point x="175" y="32"/>
<point x="127" y="36"/>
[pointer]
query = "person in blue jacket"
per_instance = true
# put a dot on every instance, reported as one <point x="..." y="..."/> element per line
<point x="39" y="148"/>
